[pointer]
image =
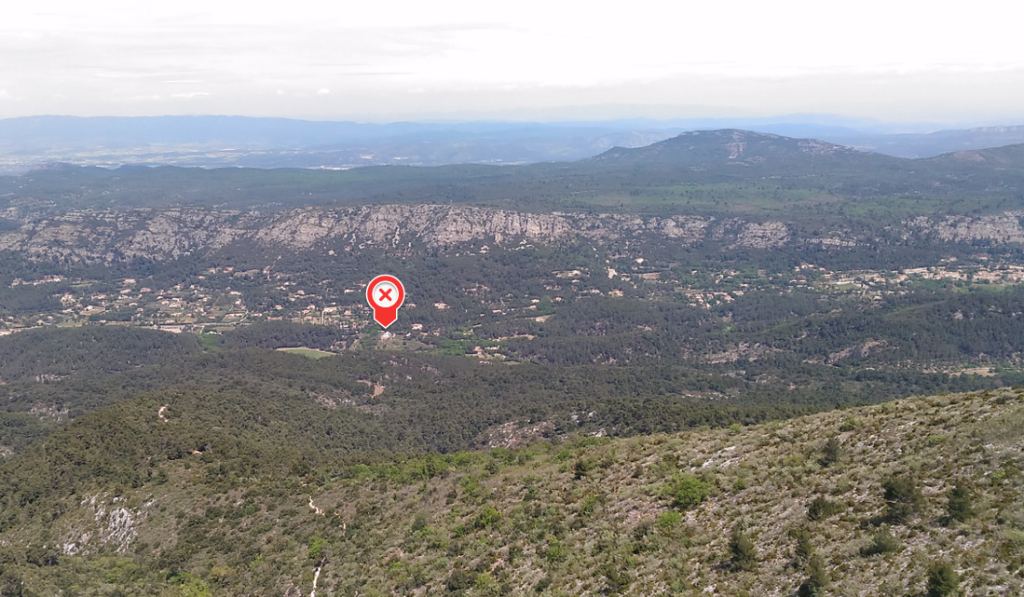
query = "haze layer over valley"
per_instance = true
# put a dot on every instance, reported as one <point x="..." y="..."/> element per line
<point x="223" y="141"/>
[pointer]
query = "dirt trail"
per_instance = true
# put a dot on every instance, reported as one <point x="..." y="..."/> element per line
<point x="320" y="566"/>
<point x="316" y="577"/>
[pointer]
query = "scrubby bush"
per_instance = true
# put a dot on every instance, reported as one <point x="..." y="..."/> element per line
<point x="581" y="468"/>
<point x="688" y="491"/>
<point x="849" y="424"/>
<point x="669" y="520"/>
<point x="460" y="581"/>
<point x="488" y="517"/>
<point x="942" y="580"/>
<point x="881" y="542"/>
<point x="820" y="508"/>
<point x="420" y="522"/>
<point x="555" y="552"/>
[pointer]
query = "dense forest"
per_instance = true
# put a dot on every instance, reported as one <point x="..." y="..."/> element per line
<point x="430" y="402"/>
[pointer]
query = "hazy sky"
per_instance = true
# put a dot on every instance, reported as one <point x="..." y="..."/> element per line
<point x="543" y="59"/>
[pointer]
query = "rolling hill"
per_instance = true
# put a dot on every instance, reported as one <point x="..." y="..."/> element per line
<point x="900" y="498"/>
<point x="725" y="172"/>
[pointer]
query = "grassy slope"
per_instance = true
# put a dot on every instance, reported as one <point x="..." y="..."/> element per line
<point x="585" y="517"/>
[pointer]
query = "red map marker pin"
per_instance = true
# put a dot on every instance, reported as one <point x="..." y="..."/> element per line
<point x="385" y="294"/>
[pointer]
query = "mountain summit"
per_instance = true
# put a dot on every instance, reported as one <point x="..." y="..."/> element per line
<point x="728" y="146"/>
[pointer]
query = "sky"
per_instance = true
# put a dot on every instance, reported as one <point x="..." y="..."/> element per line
<point x="892" y="60"/>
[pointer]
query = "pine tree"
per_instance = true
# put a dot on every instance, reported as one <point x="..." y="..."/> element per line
<point x="744" y="555"/>
<point x="960" y="502"/>
<point x="817" y="578"/>
<point x="902" y="498"/>
<point x="831" y="453"/>
<point x="804" y="548"/>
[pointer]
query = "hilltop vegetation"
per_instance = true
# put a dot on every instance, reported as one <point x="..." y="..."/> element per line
<point x="893" y="499"/>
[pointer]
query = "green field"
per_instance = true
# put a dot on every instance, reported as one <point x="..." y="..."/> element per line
<point x="308" y="352"/>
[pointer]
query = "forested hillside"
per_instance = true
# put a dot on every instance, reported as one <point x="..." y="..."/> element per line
<point x="593" y="379"/>
<point x="50" y="354"/>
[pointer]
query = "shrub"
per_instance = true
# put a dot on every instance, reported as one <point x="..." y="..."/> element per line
<point x="881" y="542"/>
<point x="616" y="577"/>
<point x="688" y="491"/>
<point x="420" y="522"/>
<point x="555" y="552"/>
<point x="849" y="424"/>
<point x="317" y="549"/>
<point x="488" y="517"/>
<point x="820" y="508"/>
<point x="669" y="520"/>
<point x="942" y="580"/>
<point x="589" y="505"/>
<point x="543" y="584"/>
<point x="483" y="580"/>
<point x="459" y="581"/>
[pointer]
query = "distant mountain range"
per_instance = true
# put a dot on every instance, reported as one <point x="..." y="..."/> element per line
<point x="219" y="141"/>
<point x="719" y="172"/>
<point x="932" y="144"/>
<point x="731" y="187"/>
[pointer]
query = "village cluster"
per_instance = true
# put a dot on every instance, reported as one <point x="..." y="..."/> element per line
<point x="222" y="297"/>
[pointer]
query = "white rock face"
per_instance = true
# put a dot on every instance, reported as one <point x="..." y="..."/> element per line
<point x="105" y="237"/>
<point x="1005" y="228"/>
<point x="113" y="526"/>
<point x="118" y="528"/>
<point x="172" y="233"/>
<point x="763" y="236"/>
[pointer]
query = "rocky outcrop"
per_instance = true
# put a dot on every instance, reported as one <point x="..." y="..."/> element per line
<point x="110" y="236"/>
<point x="168" y="234"/>
<point x="767" y="235"/>
<point x="106" y="525"/>
<point x="1005" y="228"/>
